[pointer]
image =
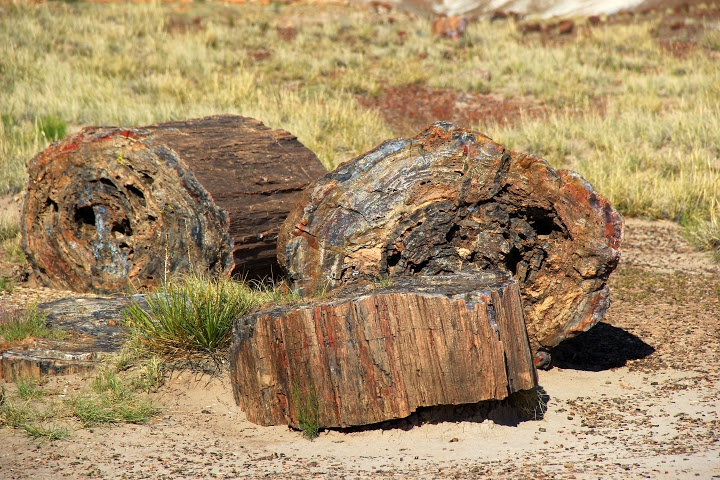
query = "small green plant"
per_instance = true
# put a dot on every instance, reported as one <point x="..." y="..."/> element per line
<point x="10" y="239"/>
<point x="107" y="408"/>
<point x="9" y="228"/>
<point x="529" y="404"/>
<point x="46" y="433"/>
<point x="307" y="409"/>
<point x="52" y="127"/>
<point x="6" y="285"/>
<point x="28" y="388"/>
<point x="13" y="416"/>
<point x="19" y="325"/>
<point x="192" y="318"/>
<point x="705" y="233"/>
<point x="383" y="281"/>
<point x="113" y="396"/>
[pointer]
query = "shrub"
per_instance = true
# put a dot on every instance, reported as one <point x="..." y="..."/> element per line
<point x="192" y="318"/>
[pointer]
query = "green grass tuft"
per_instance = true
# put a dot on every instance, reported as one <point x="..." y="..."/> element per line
<point x="46" y="433"/>
<point x="107" y="408"/>
<point x="31" y="322"/>
<point x="7" y="285"/>
<point x="306" y="408"/>
<point x="191" y="318"/>
<point x="28" y="388"/>
<point x="52" y="127"/>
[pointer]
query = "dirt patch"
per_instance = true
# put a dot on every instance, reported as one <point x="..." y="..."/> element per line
<point x="410" y="109"/>
<point x="688" y="28"/>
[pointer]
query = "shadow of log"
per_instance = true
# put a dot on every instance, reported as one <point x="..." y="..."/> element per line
<point x="601" y="348"/>
<point x="511" y="411"/>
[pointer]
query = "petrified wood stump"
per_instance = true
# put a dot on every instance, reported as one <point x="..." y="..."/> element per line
<point x="108" y="207"/>
<point x="452" y="200"/>
<point x="372" y="353"/>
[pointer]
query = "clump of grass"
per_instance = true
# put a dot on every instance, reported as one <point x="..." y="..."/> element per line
<point x="116" y="393"/>
<point x="704" y="233"/>
<point x="113" y="396"/>
<point x="111" y="408"/>
<point x="52" y="432"/>
<point x="191" y="318"/>
<point x="307" y="409"/>
<point x="52" y="127"/>
<point x="7" y="285"/>
<point x="29" y="417"/>
<point x="10" y="239"/>
<point x="18" y="325"/>
<point x="28" y="388"/>
<point x="529" y="404"/>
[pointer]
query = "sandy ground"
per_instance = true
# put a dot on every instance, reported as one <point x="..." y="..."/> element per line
<point x="638" y="396"/>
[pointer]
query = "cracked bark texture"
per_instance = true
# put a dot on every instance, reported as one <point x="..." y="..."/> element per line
<point x="371" y="353"/>
<point x="452" y="200"/>
<point x="108" y="209"/>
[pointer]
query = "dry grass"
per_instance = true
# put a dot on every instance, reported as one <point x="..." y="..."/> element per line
<point x="640" y="124"/>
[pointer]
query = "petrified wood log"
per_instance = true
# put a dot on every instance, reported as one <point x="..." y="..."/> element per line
<point x="452" y="200"/>
<point x="372" y="353"/>
<point x="110" y="207"/>
<point x="92" y="329"/>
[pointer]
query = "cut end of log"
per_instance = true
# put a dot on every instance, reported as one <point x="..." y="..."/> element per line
<point x="377" y="352"/>
<point x="451" y="200"/>
<point x="111" y="209"/>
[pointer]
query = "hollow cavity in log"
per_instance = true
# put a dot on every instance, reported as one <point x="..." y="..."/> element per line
<point x="108" y="209"/>
<point x="451" y="200"/>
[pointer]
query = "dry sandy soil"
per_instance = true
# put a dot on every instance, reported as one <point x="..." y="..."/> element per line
<point x="637" y="396"/>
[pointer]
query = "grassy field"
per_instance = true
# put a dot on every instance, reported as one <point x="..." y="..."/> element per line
<point x="640" y="123"/>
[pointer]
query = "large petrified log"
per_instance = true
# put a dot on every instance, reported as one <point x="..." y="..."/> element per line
<point x="452" y="200"/>
<point x="372" y="353"/>
<point x="108" y="208"/>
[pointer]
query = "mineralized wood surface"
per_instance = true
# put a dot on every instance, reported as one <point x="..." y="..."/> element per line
<point x="452" y="200"/>
<point x="110" y="208"/>
<point x="372" y="353"/>
<point x="92" y="329"/>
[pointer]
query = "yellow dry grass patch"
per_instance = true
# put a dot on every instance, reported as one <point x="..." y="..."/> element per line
<point x="640" y="124"/>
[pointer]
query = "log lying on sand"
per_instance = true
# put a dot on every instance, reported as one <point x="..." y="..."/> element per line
<point x="372" y="353"/>
<point x="452" y="200"/>
<point x="108" y="208"/>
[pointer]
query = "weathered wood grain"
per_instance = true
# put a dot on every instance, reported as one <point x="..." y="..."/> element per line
<point x="452" y="200"/>
<point x="372" y="353"/>
<point x="111" y="208"/>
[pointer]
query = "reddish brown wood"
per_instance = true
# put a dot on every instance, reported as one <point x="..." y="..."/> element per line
<point x="372" y="353"/>
<point x="110" y="208"/>
<point x="452" y="200"/>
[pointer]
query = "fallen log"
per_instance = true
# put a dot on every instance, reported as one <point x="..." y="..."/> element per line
<point x="451" y="200"/>
<point x="372" y="353"/>
<point x="110" y="208"/>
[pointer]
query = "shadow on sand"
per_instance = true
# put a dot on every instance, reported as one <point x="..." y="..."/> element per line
<point x="519" y="407"/>
<point x="601" y="348"/>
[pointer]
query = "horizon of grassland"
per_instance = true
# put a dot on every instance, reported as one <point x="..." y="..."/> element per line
<point x="653" y="149"/>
